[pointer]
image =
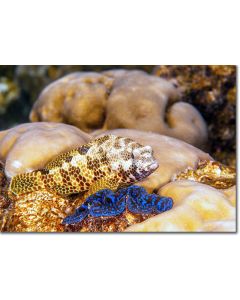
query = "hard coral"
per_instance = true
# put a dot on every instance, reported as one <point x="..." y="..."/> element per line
<point x="211" y="173"/>
<point x="197" y="207"/>
<point x="120" y="99"/>
<point x="40" y="211"/>
<point x="212" y="90"/>
<point x="141" y="101"/>
<point x="78" y="99"/>
<point x="30" y="146"/>
<point x="4" y="199"/>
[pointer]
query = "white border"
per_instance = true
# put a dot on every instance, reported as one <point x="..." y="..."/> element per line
<point x="111" y="266"/>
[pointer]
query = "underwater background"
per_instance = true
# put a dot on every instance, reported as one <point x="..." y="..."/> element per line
<point x="211" y="89"/>
<point x="123" y="148"/>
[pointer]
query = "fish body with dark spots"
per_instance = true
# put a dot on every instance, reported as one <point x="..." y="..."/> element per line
<point x="106" y="162"/>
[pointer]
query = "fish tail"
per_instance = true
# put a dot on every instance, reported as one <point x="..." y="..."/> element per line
<point x="27" y="182"/>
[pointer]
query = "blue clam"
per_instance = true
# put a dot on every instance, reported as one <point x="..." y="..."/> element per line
<point x="106" y="203"/>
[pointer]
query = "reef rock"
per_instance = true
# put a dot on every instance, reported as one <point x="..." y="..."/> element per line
<point x="212" y="90"/>
<point x="40" y="211"/>
<point x="140" y="101"/>
<point x="197" y="207"/>
<point x="79" y="99"/>
<point x="4" y="200"/>
<point x="212" y="173"/>
<point x="120" y="99"/>
<point x="28" y="147"/>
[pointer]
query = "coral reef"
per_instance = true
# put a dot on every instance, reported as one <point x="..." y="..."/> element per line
<point x="197" y="207"/>
<point x="2" y="176"/>
<point x="78" y="99"/>
<point x="212" y="173"/>
<point x="5" y="202"/>
<point x="40" y="211"/>
<point x="28" y="147"/>
<point x="120" y="99"/>
<point x="9" y="92"/>
<point x="129" y="127"/>
<point x="172" y="155"/>
<point x="212" y="90"/>
<point x="31" y="79"/>
<point x="107" y="224"/>
<point x="140" y="101"/>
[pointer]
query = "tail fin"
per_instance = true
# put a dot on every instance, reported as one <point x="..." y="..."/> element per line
<point x="27" y="182"/>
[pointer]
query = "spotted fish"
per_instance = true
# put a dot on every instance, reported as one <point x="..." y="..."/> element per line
<point x="108" y="162"/>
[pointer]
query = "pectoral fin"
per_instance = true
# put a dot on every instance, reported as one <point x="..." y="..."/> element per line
<point x="107" y="182"/>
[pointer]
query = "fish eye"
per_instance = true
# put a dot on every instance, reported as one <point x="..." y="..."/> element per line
<point x="84" y="149"/>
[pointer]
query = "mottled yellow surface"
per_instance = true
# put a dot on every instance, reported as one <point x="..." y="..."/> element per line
<point x="212" y="173"/>
<point x="37" y="212"/>
<point x="197" y="207"/>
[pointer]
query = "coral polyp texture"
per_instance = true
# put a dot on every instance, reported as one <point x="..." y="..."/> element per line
<point x="120" y="99"/>
<point x="40" y="211"/>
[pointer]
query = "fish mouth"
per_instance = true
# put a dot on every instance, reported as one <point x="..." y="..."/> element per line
<point x="153" y="166"/>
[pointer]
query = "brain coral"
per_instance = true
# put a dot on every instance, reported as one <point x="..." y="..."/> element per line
<point x="30" y="146"/>
<point x="120" y="99"/>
